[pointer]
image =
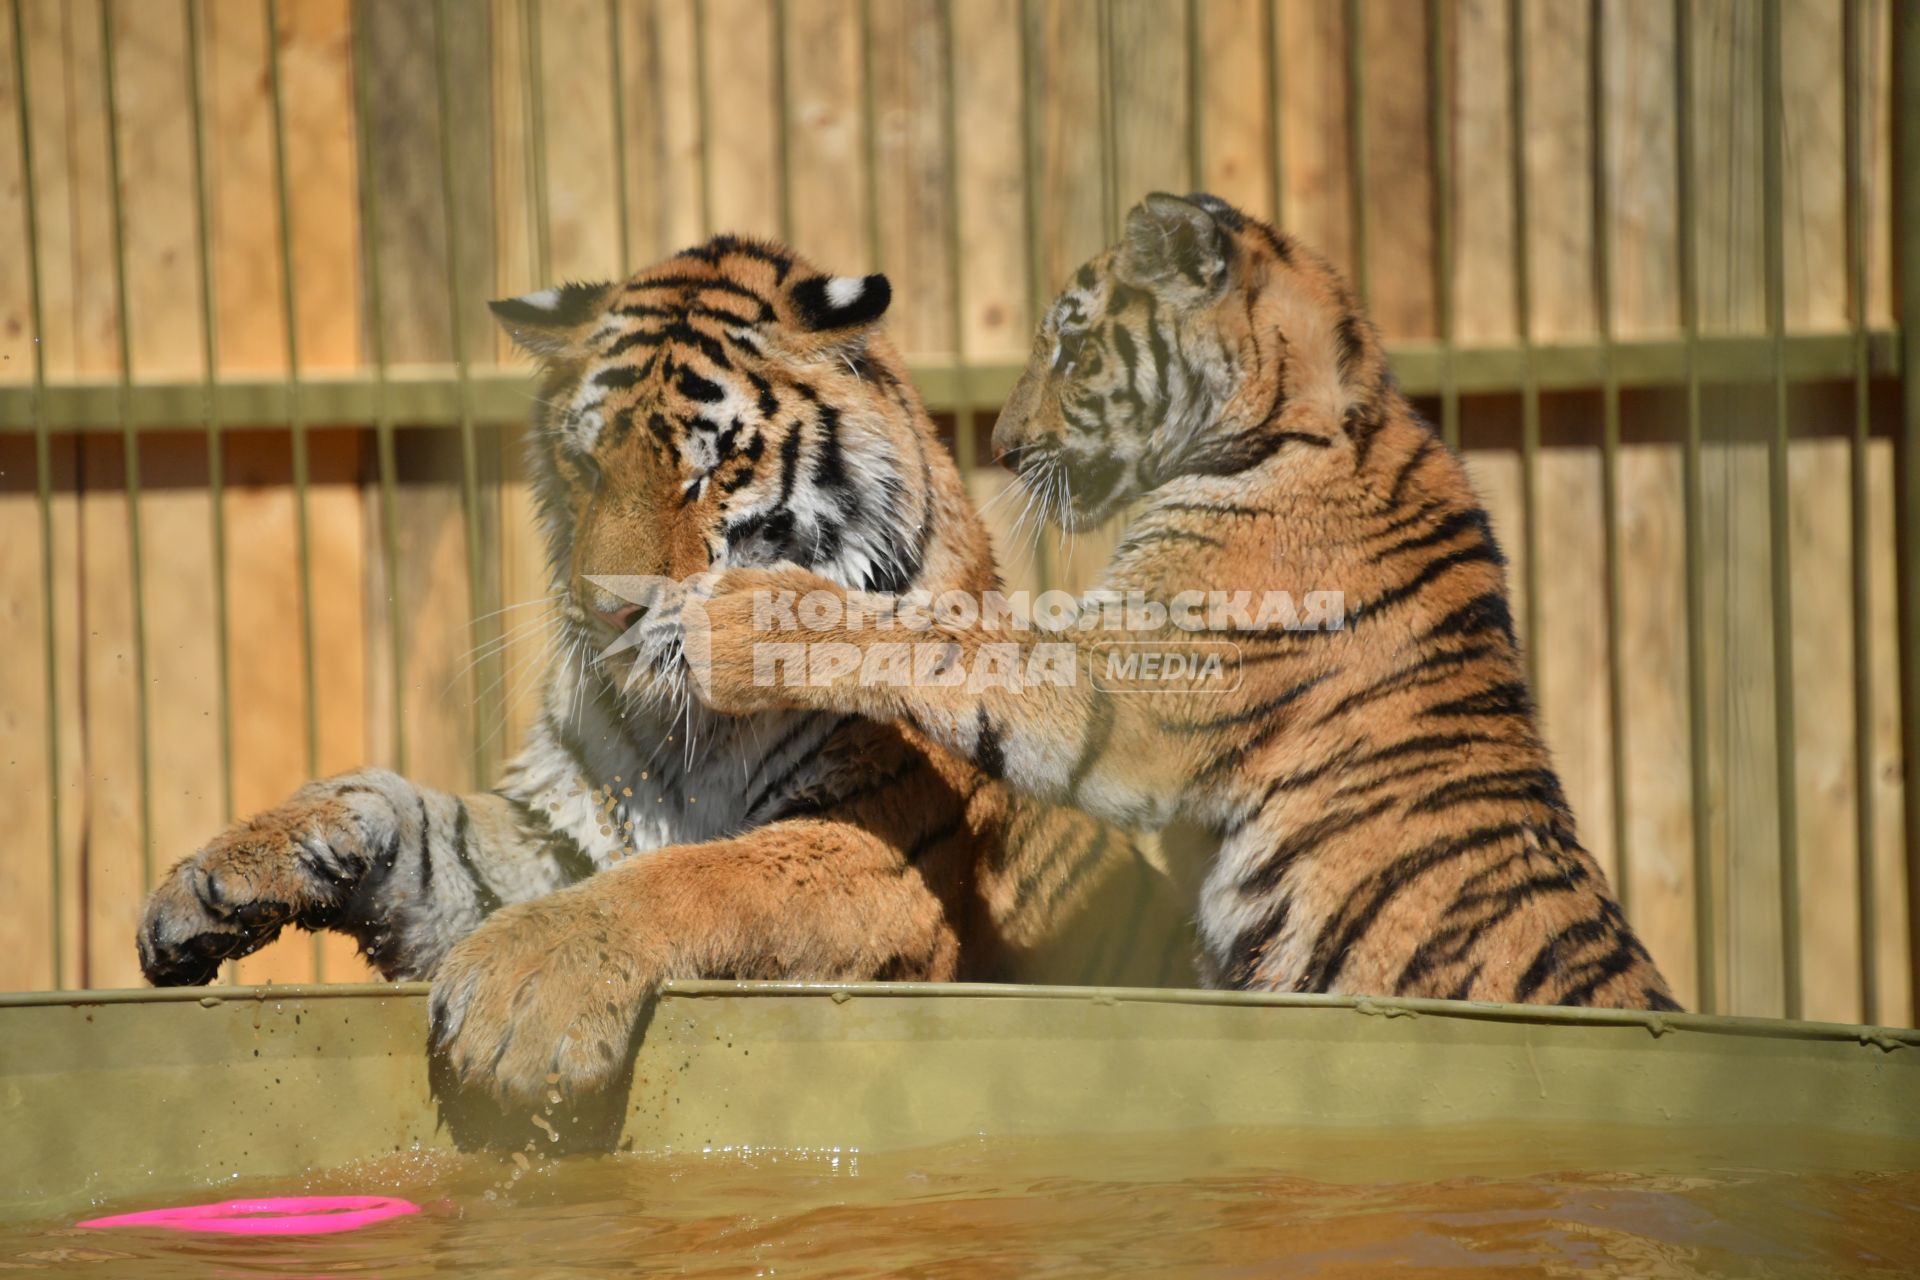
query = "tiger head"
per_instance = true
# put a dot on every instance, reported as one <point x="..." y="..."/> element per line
<point x="729" y="407"/>
<point x="1198" y="345"/>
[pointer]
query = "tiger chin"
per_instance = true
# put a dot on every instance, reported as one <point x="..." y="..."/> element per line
<point x="1388" y="819"/>
<point x="731" y="406"/>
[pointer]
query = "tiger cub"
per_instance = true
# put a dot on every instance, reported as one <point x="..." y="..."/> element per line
<point x="1387" y="816"/>
<point x="730" y="406"/>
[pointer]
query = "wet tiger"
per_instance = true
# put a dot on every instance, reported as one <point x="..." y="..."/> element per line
<point x="731" y="406"/>
<point x="1388" y="819"/>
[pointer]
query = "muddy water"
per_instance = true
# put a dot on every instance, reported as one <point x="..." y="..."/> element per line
<point x="1218" y="1203"/>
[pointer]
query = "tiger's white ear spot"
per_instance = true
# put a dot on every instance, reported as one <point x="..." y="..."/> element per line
<point x="541" y="300"/>
<point x="552" y="322"/>
<point x="844" y="291"/>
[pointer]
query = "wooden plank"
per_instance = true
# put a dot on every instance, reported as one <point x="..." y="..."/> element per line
<point x="1814" y="186"/>
<point x="665" y="85"/>
<point x="1888" y="790"/>
<point x="1726" y="120"/>
<point x="1151" y="100"/>
<point x="582" y="210"/>
<point x="1236" y="153"/>
<point x="996" y="319"/>
<point x="1641" y="173"/>
<point x="1571" y="655"/>
<point x="1064" y="48"/>
<point x="1483" y="194"/>
<point x="913" y="220"/>
<point x="828" y="206"/>
<point x="1399" y="195"/>
<point x="1653" y="668"/>
<point x="1313" y="126"/>
<point x="743" y="130"/>
<point x="1559" y="157"/>
<point x="248" y="310"/>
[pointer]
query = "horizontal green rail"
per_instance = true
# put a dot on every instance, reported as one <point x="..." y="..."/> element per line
<point x="431" y="395"/>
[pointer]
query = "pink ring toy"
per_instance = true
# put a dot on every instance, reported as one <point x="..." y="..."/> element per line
<point x="279" y="1216"/>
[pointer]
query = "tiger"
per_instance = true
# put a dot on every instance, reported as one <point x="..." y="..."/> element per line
<point x="1388" y="821"/>
<point x="730" y="406"/>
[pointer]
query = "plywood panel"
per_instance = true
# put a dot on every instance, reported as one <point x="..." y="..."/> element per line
<point x="1726" y="124"/>
<point x="1399" y="194"/>
<point x="1559" y="175"/>
<point x="582" y="209"/>
<point x="1152" y="100"/>
<point x="316" y="74"/>
<point x="1483" y="208"/>
<point x="671" y="133"/>
<point x="1074" y="220"/>
<point x="1313" y="148"/>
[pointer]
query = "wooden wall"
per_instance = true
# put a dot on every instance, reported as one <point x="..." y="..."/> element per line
<point x="792" y="118"/>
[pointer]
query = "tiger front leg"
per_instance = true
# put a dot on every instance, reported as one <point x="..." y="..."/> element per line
<point x="355" y="854"/>
<point x="550" y="993"/>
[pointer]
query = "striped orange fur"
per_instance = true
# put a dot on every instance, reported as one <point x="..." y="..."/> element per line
<point x="1388" y="818"/>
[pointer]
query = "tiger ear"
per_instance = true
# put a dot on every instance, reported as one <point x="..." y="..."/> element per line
<point x="828" y="304"/>
<point x="551" y="322"/>
<point x="1172" y="243"/>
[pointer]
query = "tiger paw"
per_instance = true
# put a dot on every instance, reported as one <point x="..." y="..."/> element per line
<point x="297" y="864"/>
<point x="545" y="995"/>
<point x="749" y="640"/>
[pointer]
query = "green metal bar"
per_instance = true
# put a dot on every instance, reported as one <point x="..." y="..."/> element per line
<point x="210" y="368"/>
<point x="1276" y="113"/>
<point x="130" y="444"/>
<point x="1705" y="912"/>
<point x="963" y="428"/>
<point x="783" y="117"/>
<point x="43" y="477"/>
<point x="1856" y="69"/>
<point x="1779" y="506"/>
<point x="869" y="138"/>
<point x="616" y="30"/>
<point x="1440" y="139"/>
<point x="456" y="308"/>
<point x="1356" y="50"/>
<point x="1196" y="104"/>
<point x="1109" y="128"/>
<point x="1906" y="177"/>
<point x="1523" y="322"/>
<point x="430" y="395"/>
<point x="703" y="125"/>
<point x="1609" y="443"/>
<point x="533" y="86"/>
<point x="380" y="413"/>
<point x="297" y="427"/>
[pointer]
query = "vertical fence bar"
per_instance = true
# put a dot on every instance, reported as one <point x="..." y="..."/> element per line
<point x="1609" y="439"/>
<point x="1906" y="195"/>
<point x="1705" y="915"/>
<point x="533" y="88"/>
<point x="1276" y="113"/>
<point x="617" y="68"/>
<point x="703" y="124"/>
<point x="963" y="426"/>
<point x="456" y="328"/>
<point x="1857" y="162"/>
<point x="1440" y="140"/>
<point x="1779" y="504"/>
<point x="782" y="118"/>
<point x="43" y="476"/>
<point x="130" y="442"/>
<point x="371" y="281"/>
<point x="209" y="376"/>
<point x="296" y="418"/>
<point x="1356" y="51"/>
<point x="1523" y="322"/>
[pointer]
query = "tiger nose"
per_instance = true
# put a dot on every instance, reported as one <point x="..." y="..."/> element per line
<point x="1004" y="456"/>
<point x="622" y="616"/>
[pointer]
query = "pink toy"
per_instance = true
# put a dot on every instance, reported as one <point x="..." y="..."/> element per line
<point x="280" y="1216"/>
